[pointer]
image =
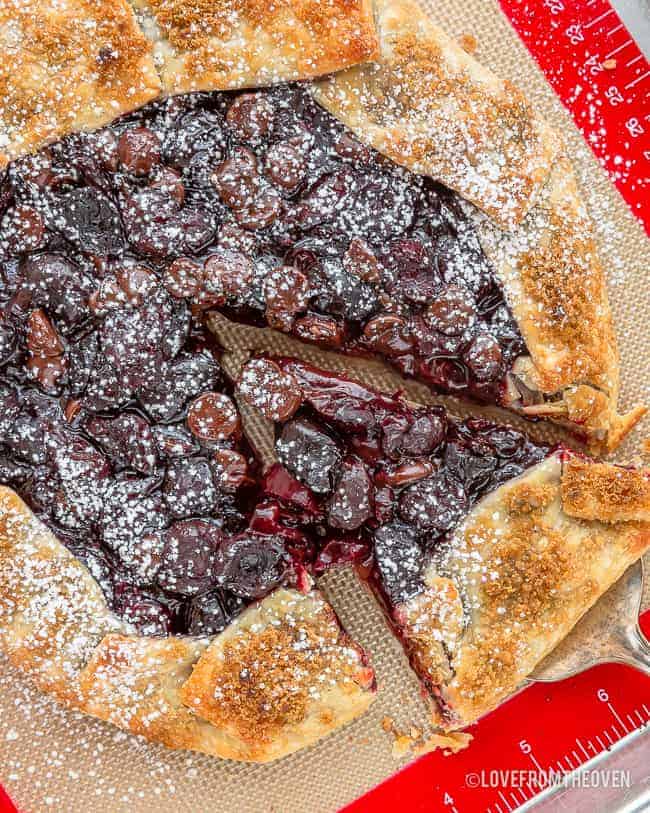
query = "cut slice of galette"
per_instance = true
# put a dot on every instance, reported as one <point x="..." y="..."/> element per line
<point x="484" y="547"/>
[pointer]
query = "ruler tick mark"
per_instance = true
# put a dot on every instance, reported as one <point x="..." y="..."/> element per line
<point x="620" y="48"/>
<point x="637" y="80"/>
<point x="615" y="713"/>
<point x="636" y="711"/>
<point x="505" y="801"/>
<point x="632" y="61"/>
<point x="535" y="762"/>
<point x="601" y="17"/>
<point x="582" y="748"/>
<point x="568" y="762"/>
<point x="601" y="743"/>
<point x="614" y="30"/>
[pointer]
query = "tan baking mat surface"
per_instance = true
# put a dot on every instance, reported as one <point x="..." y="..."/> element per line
<point x="52" y="759"/>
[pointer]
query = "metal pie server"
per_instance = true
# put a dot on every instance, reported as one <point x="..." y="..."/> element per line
<point x="608" y="633"/>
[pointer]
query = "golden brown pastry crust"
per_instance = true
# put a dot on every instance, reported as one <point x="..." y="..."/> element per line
<point x="56" y="627"/>
<point x="224" y="44"/>
<point x="52" y="612"/>
<point x="280" y="677"/>
<point x="431" y="107"/>
<point x="555" y="285"/>
<point x="525" y="569"/>
<point x="598" y="491"/>
<point x="68" y="66"/>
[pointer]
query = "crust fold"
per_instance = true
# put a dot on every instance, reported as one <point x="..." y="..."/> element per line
<point x="217" y="45"/>
<point x="68" y="66"/>
<point x="431" y="107"/>
<point x="52" y="612"/>
<point x="555" y="285"/>
<point x="527" y="563"/>
<point x="280" y="677"/>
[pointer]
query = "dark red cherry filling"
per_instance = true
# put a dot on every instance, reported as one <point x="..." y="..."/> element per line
<point x="383" y="482"/>
<point x="133" y="452"/>
<point x="115" y="423"/>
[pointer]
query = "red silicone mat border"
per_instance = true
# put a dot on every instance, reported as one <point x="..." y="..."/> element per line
<point x="602" y="77"/>
<point x="535" y="731"/>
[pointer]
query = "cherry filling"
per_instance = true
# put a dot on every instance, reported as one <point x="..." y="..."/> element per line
<point x="115" y="423"/>
<point x="117" y="428"/>
<point x="384" y="482"/>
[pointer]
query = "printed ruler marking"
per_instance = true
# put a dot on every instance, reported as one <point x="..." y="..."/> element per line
<point x="573" y="40"/>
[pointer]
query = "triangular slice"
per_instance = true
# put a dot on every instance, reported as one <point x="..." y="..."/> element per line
<point x="484" y="547"/>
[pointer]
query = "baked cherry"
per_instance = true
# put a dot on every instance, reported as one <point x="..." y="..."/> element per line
<point x="274" y="393"/>
<point x="251" y="566"/>
<point x="452" y="311"/>
<point x="236" y="179"/>
<point x="436" y="503"/>
<point x="205" y="614"/>
<point x="188" y="557"/>
<point x="230" y="470"/>
<point x="139" y="150"/>
<point x="188" y="488"/>
<point x="228" y="273"/>
<point x="285" y="165"/>
<point x="351" y="502"/>
<point x="213" y="416"/>
<point x="149" y="616"/>
<point x="399" y="560"/>
<point x="260" y="212"/>
<point x="22" y="229"/>
<point x="484" y="357"/>
<point x="250" y="117"/>
<point x="127" y="440"/>
<point x="309" y="454"/>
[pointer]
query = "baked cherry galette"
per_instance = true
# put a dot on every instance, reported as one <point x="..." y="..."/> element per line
<point x="410" y="206"/>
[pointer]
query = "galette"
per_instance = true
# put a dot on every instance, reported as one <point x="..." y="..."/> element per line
<point x="343" y="172"/>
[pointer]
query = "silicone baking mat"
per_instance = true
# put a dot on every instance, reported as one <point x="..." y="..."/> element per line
<point x="54" y="760"/>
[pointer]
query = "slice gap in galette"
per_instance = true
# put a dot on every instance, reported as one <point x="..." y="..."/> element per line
<point x="484" y="547"/>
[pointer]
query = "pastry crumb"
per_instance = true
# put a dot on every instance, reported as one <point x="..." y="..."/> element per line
<point x="452" y="743"/>
<point x="387" y="724"/>
<point x="416" y="744"/>
<point x="645" y="447"/>
<point x="468" y="43"/>
<point x="609" y="64"/>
